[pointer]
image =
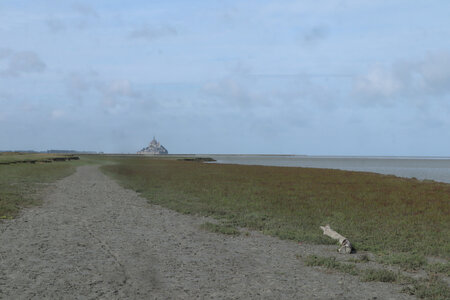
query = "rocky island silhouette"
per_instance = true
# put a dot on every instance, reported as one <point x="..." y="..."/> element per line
<point x="154" y="148"/>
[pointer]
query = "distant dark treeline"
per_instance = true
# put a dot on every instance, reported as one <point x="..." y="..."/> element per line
<point x="73" y="152"/>
<point x="53" y="151"/>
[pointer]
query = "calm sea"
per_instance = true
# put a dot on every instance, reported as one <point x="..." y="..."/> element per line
<point x="419" y="167"/>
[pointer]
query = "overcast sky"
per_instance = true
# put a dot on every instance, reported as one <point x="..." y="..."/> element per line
<point x="273" y="77"/>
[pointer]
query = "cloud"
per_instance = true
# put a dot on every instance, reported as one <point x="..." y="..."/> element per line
<point x="429" y="76"/>
<point x="79" y="84"/>
<point x="378" y="82"/>
<point x="116" y="92"/>
<point x="153" y="33"/>
<point x="119" y="88"/>
<point x="57" y="113"/>
<point x="5" y="52"/>
<point x="243" y="90"/>
<point x="315" y="34"/>
<point x="435" y="71"/>
<point x="55" y="25"/>
<point x="82" y="16"/>
<point x="85" y="10"/>
<point x="112" y="93"/>
<point x="17" y="63"/>
<point x="235" y="88"/>
<point x="241" y="68"/>
<point x="230" y="91"/>
<point x="4" y="96"/>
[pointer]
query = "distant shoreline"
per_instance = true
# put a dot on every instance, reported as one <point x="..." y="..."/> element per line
<point x="286" y="155"/>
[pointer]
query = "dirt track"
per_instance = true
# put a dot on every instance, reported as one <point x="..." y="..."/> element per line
<point x="93" y="239"/>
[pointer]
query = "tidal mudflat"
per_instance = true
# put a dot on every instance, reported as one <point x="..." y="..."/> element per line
<point x="431" y="168"/>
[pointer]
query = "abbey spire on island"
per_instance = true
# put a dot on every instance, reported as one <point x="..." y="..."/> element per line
<point x="154" y="148"/>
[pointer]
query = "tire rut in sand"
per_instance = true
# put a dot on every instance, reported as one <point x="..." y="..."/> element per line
<point x="104" y="246"/>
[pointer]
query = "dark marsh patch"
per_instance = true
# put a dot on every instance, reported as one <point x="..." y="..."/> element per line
<point x="197" y="159"/>
<point x="220" y="228"/>
<point x="10" y="158"/>
<point x="330" y="263"/>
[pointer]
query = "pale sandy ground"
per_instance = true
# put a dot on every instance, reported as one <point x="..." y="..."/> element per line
<point x="93" y="239"/>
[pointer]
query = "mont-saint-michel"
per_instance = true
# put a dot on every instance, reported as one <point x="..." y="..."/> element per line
<point x="154" y="148"/>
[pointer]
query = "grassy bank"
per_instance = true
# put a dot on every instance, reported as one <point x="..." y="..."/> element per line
<point x="19" y="182"/>
<point x="376" y="212"/>
<point x="431" y="287"/>
<point x="7" y="158"/>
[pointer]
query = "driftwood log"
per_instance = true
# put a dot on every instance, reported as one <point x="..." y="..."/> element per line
<point x="346" y="246"/>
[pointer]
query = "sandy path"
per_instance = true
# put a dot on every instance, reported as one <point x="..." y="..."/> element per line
<point x="93" y="239"/>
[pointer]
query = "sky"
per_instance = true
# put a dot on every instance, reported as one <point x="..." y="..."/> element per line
<point x="315" y="77"/>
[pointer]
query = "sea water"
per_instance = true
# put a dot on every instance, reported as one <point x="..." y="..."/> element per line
<point x="433" y="168"/>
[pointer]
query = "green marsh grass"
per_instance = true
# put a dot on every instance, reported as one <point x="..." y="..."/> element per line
<point x="377" y="213"/>
<point x="220" y="228"/>
<point x="20" y="182"/>
<point x="432" y="288"/>
<point x="330" y="263"/>
<point x="439" y="268"/>
<point x="407" y="261"/>
<point x="362" y="259"/>
<point x="380" y="275"/>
